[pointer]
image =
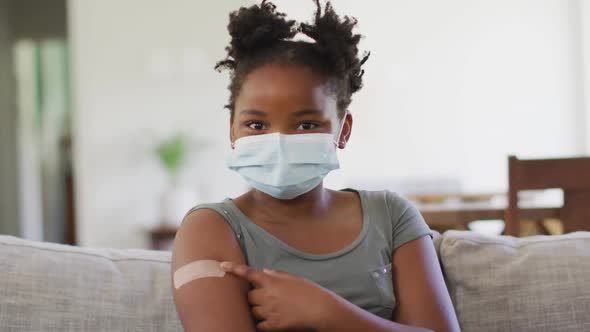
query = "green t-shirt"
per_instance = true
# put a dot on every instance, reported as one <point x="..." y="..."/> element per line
<point x="360" y="272"/>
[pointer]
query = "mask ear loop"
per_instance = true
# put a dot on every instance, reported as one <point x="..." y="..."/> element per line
<point x="341" y="142"/>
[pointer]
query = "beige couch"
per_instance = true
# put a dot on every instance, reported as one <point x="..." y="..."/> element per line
<point x="496" y="283"/>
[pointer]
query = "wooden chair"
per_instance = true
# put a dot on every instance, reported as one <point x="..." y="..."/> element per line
<point x="572" y="175"/>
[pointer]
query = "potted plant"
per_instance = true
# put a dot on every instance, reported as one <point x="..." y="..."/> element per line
<point x="178" y="197"/>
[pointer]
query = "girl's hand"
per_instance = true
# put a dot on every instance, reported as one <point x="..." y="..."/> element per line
<point x="283" y="302"/>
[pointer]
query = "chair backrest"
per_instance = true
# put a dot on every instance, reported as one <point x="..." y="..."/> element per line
<point x="570" y="174"/>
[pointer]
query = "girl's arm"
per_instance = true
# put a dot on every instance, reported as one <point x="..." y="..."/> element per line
<point x="421" y="293"/>
<point x="210" y="304"/>
<point x="419" y="285"/>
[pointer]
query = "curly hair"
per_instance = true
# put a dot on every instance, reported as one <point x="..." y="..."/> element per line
<point x="262" y="35"/>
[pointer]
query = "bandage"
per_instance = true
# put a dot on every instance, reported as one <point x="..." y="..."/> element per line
<point x="197" y="270"/>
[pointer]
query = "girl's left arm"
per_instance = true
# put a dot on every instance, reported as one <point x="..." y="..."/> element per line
<point x="419" y="285"/>
<point x="423" y="302"/>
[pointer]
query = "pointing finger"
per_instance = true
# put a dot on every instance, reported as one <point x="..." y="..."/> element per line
<point x="254" y="276"/>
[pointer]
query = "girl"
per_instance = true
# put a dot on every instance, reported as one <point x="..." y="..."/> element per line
<point x="348" y="260"/>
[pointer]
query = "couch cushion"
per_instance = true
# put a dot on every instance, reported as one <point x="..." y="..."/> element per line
<point x="501" y="283"/>
<point x="52" y="287"/>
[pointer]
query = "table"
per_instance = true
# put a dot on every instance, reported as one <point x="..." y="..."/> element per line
<point x="162" y="237"/>
<point x="462" y="213"/>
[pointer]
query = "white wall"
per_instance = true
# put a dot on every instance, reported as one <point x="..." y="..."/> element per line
<point x="452" y="87"/>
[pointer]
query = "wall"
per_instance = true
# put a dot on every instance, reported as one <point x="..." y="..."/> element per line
<point x="455" y="86"/>
<point x="9" y="215"/>
<point x="451" y="89"/>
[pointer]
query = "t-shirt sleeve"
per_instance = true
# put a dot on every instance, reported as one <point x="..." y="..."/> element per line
<point x="407" y="222"/>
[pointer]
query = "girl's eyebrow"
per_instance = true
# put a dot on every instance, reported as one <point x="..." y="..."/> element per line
<point x="306" y="112"/>
<point x="253" y="112"/>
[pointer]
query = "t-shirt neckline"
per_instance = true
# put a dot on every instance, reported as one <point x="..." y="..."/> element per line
<point x="286" y="247"/>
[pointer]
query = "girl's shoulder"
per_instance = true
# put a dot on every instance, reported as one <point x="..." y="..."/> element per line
<point x="390" y="201"/>
<point x="224" y="211"/>
<point x="393" y="214"/>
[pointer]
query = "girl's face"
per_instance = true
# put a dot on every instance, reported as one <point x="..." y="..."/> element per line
<point x="287" y="99"/>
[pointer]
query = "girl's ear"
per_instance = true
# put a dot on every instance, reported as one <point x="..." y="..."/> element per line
<point x="346" y="131"/>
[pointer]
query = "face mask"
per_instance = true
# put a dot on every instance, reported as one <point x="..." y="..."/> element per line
<point x="284" y="166"/>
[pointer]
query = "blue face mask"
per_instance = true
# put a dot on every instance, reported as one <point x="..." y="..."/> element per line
<point x="284" y="166"/>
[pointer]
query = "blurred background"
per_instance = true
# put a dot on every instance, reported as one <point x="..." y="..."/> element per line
<point x="112" y="123"/>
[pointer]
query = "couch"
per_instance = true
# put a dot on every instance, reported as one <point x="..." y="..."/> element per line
<point x="497" y="283"/>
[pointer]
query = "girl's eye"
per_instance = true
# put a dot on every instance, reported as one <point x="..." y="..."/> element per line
<point x="256" y="125"/>
<point x="307" y="126"/>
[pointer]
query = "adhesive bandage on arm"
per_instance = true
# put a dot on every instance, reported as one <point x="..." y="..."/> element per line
<point x="196" y="270"/>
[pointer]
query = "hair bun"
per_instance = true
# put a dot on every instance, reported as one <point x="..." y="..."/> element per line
<point x="337" y="41"/>
<point x="256" y="27"/>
